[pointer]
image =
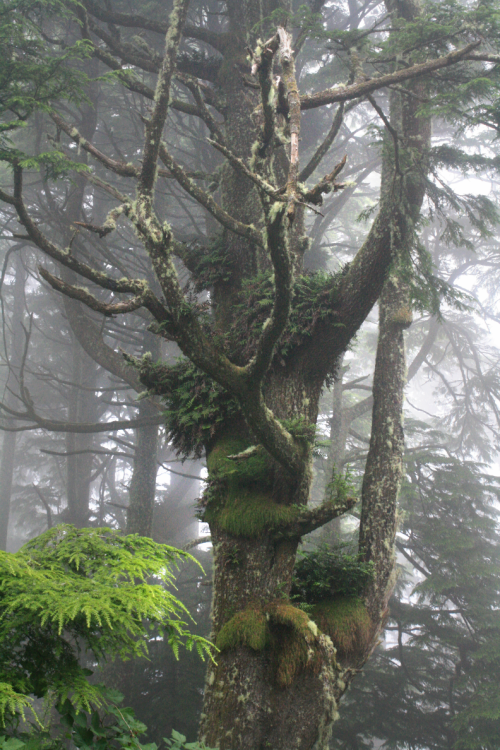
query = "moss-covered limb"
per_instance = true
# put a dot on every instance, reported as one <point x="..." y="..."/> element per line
<point x="310" y="519"/>
<point x="326" y="185"/>
<point x="277" y="228"/>
<point x="121" y="168"/>
<point x="293" y="99"/>
<point x="154" y="128"/>
<point x="262" y="66"/>
<point x="82" y="295"/>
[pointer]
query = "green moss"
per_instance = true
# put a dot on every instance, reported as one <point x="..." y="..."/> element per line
<point x="241" y="500"/>
<point x="254" y="468"/>
<point x="346" y="621"/>
<point x="280" y="626"/>
<point x="247" y="628"/>
<point x="248" y="513"/>
<point x="294" y="638"/>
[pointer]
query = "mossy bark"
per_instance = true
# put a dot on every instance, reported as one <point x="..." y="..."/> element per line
<point x="275" y="691"/>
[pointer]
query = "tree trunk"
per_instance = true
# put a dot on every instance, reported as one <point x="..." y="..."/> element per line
<point x="82" y="408"/>
<point x="143" y="484"/>
<point x="10" y="438"/>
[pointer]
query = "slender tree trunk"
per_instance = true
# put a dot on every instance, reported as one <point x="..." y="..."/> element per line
<point x="10" y="438"/>
<point x="384" y="464"/>
<point x="142" y="487"/>
<point x="82" y="407"/>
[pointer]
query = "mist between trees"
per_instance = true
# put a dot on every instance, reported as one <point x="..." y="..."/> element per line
<point x="249" y="292"/>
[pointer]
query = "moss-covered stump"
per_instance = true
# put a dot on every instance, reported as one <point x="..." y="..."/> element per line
<point x="347" y="622"/>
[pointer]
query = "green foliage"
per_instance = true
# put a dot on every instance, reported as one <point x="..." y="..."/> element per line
<point x="83" y="590"/>
<point x="313" y="300"/>
<point x="210" y="265"/>
<point x="12" y="702"/>
<point x="110" y="726"/>
<point x="327" y="572"/>
<point x="34" y="73"/>
<point x="197" y="406"/>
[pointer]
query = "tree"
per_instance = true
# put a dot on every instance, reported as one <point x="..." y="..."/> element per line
<point x="256" y="357"/>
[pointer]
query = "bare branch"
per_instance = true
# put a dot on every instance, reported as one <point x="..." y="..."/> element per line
<point x="325" y="146"/>
<point x="358" y="90"/>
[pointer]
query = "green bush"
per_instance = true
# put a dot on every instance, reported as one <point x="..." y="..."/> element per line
<point x="328" y="572"/>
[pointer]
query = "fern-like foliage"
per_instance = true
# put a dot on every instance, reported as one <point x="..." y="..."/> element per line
<point x="83" y="590"/>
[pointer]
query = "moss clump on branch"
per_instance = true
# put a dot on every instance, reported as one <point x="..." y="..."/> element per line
<point x="279" y="625"/>
<point x="253" y="467"/>
<point x="347" y="622"/>
<point x="248" y="513"/>
<point x="294" y="636"/>
<point x="247" y="628"/>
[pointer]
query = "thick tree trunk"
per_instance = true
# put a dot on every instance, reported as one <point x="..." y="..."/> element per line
<point x="276" y="681"/>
